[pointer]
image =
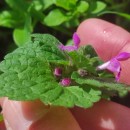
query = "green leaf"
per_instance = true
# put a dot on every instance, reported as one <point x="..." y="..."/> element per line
<point x="55" y="18"/>
<point x="108" y="87"/>
<point x="22" y="35"/>
<point x="89" y="50"/>
<point x="47" y="3"/>
<point x="84" y="58"/>
<point x="11" y="19"/>
<point x="25" y="81"/>
<point x="75" y="95"/>
<point x="66" y="4"/>
<point x="26" y="74"/>
<point x="50" y="48"/>
<point x="82" y="6"/>
<point x="37" y="5"/>
<point x="19" y="5"/>
<point x="42" y="4"/>
<point x="99" y="7"/>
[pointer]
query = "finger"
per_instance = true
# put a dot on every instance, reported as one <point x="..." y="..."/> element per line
<point x="58" y="118"/>
<point x="108" y="40"/>
<point x="105" y="115"/>
<point x="13" y="116"/>
<point x="17" y="116"/>
<point x="50" y="117"/>
<point x="33" y="110"/>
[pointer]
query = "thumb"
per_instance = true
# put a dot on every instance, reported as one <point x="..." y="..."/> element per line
<point x="108" y="40"/>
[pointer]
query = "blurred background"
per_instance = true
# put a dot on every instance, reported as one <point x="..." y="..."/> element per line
<point x="20" y="18"/>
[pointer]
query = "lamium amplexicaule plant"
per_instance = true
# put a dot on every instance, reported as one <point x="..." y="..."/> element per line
<point x="60" y="75"/>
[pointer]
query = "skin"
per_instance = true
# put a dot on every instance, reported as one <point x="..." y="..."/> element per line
<point x="108" y="40"/>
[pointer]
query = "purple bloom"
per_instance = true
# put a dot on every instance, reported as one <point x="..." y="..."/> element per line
<point x="76" y="41"/>
<point x="66" y="82"/>
<point x="58" y="72"/>
<point x="113" y="65"/>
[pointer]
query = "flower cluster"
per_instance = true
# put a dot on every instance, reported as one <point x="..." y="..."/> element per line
<point x="64" y="81"/>
<point x="58" y="71"/>
<point x="114" y="65"/>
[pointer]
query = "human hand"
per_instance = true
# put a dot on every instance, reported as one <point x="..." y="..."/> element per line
<point x="108" y="40"/>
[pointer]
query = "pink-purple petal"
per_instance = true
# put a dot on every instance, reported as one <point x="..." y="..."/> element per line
<point x="68" y="48"/>
<point x="103" y="66"/>
<point x="118" y="74"/>
<point x="114" y="65"/>
<point x="123" y="56"/>
<point x="58" y="71"/>
<point x="76" y="39"/>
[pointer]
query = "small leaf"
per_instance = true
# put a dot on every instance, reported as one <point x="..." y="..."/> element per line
<point x="66" y="4"/>
<point x="55" y="18"/>
<point x="82" y="6"/>
<point x="21" y="36"/>
<point x="42" y="4"/>
<point x="11" y="19"/>
<point x="82" y="59"/>
<point x="99" y="7"/>
<point x="89" y="50"/>
<point x="109" y="88"/>
<point x="47" y="3"/>
<point x="18" y="5"/>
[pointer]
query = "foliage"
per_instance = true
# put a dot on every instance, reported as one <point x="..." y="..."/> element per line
<point x="23" y="15"/>
<point x="28" y="74"/>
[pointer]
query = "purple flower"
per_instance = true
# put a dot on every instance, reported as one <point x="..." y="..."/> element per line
<point x="58" y="72"/>
<point x="113" y="65"/>
<point x="76" y="41"/>
<point x="66" y="82"/>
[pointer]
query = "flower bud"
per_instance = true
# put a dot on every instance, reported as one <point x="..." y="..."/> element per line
<point x="66" y="82"/>
<point x="82" y="72"/>
<point x="58" y="72"/>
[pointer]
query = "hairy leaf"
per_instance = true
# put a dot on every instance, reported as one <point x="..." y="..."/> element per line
<point x="108" y="87"/>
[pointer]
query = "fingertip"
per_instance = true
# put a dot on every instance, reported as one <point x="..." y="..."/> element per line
<point x="33" y="110"/>
<point x="58" y="118"/>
